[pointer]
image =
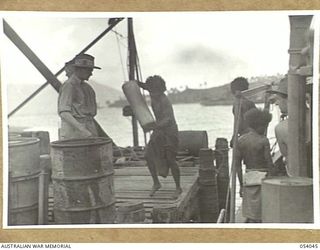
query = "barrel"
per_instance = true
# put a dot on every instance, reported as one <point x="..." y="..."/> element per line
<point x="14" y="135"/>
<point x="287" y="200"/>
<point x="130" y="213"/>
<point x="82" y="174"/>
<point x="45" y="171"/>
<point x="138" y="105"/>
<point x="44" y="138"/>
<point x="192" y="141"/>
<point x="24" y="169"/>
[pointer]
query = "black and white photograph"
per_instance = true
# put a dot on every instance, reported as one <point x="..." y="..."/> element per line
<point x="184" y="119"/>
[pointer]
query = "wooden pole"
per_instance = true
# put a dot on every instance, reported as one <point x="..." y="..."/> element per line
<point x="132" y="67"/>
<point x="297" y="161"/>
<point x="222" y="163"/>
<point x="233" y="166"/>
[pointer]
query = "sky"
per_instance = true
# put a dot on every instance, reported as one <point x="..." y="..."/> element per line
<point x="193" y="49"/>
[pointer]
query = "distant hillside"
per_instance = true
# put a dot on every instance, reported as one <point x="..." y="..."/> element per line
<point x="220" y="95"/>
<point x="46" y="101"/>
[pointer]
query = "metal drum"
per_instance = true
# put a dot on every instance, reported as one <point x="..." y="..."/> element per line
<point x="82" y="174"/>
<point x="192" y="141"/>
<point x="287" y="200"/>
<point x="24" y="169"/>
<point x="13" y="135"/>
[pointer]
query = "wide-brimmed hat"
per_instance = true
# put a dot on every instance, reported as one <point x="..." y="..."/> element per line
<point x="280" y="88"/>
<point x="84" y="61"/>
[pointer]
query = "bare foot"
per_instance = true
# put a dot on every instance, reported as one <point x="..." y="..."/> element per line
<point x="177" y="192"/>
<point x="154" y="189"/>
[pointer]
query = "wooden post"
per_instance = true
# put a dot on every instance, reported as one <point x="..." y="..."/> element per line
<point x="233" y="167"/>
<point x="132" y="67"/>
<point x="208" y="192"/>
<point x="299" y="26"/>
<point x="44" y="179"/>
<point x="222" y="164"/>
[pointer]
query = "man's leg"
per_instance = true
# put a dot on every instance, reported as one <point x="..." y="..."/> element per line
<point x="152" y="169"/>
<point x="171" y="159"/>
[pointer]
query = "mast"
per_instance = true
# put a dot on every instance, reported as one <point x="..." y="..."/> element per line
<point x="132" y="69"/>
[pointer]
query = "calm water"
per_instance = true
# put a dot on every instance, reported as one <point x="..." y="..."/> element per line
<point x="216" y="120"/>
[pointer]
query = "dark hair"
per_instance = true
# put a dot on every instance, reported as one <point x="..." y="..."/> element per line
<point x="239" y="84"/>
<point x="156" y="84"/>
<point x="257" y="118"/>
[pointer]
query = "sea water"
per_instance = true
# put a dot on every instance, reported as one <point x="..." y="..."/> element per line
<point x="216" y="120"/>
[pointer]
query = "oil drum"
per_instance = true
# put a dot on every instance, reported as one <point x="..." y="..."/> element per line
<point x="138" y="105"/>
<point x="287" y="200"/>
<point x="24" y="169"/>
<point x="192" y="141"/>
<point x="82" y="174"/>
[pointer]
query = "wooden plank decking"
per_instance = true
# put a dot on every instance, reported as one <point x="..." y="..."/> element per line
<point x="133" y="183"/>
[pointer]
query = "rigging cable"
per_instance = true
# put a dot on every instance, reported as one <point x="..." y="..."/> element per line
<point x="119" y="49"/>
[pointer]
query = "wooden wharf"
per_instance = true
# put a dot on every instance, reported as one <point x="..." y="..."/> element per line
<point x="133" y="183"/>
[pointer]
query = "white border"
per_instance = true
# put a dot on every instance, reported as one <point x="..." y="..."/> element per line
<point x="315" y="121"/>
<point x="315" y="146"/>
<point x="5" y="146"/>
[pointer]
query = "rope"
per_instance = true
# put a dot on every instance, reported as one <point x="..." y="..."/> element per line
<point x="121" y="61"/>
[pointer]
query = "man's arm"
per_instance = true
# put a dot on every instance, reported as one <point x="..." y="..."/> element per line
<point x="66" y="116"/>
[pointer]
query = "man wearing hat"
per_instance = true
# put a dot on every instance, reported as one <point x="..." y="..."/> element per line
<point x="77" y="100"/>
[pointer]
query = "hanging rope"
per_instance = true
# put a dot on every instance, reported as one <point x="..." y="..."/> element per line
<point x="117" y="35"/>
